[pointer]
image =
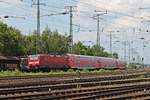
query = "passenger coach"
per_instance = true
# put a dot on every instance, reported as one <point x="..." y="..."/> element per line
<point x="94" y="62"/>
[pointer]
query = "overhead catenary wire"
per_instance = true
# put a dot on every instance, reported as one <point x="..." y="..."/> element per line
<point x="79" y="11"/>
<point x="47" y="10"/>
<point x="86" y="4"/>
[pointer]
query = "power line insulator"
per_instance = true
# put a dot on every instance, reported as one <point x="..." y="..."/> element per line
<point x="6" y="16"/>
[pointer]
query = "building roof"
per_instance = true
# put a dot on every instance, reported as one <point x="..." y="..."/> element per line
<point x="9" y="58"/>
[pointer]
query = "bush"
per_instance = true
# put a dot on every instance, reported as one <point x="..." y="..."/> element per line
<point x="85" y="71"/>
<point x="132" y="66"/>
<point x="71" y="71"/>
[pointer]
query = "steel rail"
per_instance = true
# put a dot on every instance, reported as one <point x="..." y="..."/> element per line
<point x="85" y="79"/>
<point x="145" y="93"/>
<point x="102" y="84"/>
<point x="72" y="75"/>
<point x="80" y="95"/>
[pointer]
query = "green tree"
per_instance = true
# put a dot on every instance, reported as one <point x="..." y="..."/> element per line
<point x="99" y="51"/>
<point x="79" y="48"/>
<point x="54" y="43"/>
<point x="11" y="41"/>
<point x="30" y="44"/>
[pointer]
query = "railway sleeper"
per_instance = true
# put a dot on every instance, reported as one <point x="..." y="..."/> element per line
<point x="136" y="95"/>
<point x="110" y="94"/>
<point x="21" y="84"/>
<point x="99" y="93"/>
<point x="37" y="82"/>
<point x="74" y="85"/>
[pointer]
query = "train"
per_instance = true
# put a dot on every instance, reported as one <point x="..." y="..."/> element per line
<point x="61" y="62"/>
<point x="73" y="61"/>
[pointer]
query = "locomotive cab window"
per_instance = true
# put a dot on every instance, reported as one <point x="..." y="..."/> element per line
<point x="33" y="57"/>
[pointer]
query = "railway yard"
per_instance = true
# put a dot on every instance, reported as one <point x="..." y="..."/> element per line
<point x="74" y="50"/>
<point x="80" y="86"/>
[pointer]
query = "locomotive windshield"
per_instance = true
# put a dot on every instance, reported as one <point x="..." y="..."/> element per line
<point x="34" y="57"/>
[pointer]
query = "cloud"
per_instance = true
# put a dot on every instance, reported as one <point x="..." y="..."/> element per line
<point x="121" y="13"/>
<point x="14" y="2"/>
<point x="8" y="3"/>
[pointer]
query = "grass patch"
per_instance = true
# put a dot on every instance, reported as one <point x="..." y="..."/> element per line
<point x="141" y="77"/>
<point x="52" y="72"/>
<point x="11" y="73"/>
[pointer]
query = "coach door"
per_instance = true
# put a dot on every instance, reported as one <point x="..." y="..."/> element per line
<point x="71" y="60"/>
<point x="99" y="62"/>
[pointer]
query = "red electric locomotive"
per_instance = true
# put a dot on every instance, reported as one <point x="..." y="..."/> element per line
<point x="47" y="61"/>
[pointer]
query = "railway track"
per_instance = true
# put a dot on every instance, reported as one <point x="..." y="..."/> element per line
<point x="105" y="84"/>
<point x="49" y="81"/>
<point x="72" y="75"/>
<point x="84" y="93"/>
<point x="81" y="88"/>
<point x="54" y="79"/>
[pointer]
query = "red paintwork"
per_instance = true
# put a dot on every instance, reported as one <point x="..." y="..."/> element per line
<point x="75" y="62"/>
<point x="121" y="64"/>
<point x="50" y="61"/>
<point x="92" y="62"/>
<point x="33" y="63"/>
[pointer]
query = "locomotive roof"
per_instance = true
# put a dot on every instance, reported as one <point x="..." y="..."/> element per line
<point x="45" y="55"/>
